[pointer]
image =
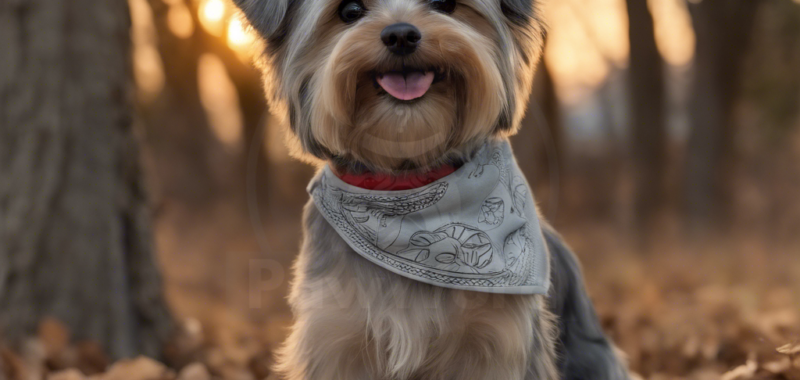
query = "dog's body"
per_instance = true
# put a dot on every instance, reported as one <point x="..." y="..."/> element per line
<point x="407" y="86"/>
<point x="357" y="321"/>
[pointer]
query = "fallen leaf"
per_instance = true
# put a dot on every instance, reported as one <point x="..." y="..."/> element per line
<point x="235" y="373"/>
<point x="194" y="371"/>
<point x="33" y="354"/>
<point x="91" y="358"/>
<point x="261" y="364"/>
<point x="141" y="368"/>
<point x="778" y="366"/>
<point x="70" y="374"/>
<point x="53" y="335"/>
<point x="745" y="371"/>
<point x="789" y="349"/>
<point x="13" y="365"/>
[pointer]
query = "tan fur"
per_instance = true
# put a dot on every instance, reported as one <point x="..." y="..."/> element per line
<point x="334" y="64"/>
<point x="368" y="128"/>
<point x="358" y="321"/>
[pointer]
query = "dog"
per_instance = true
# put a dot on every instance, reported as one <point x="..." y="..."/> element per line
<point x="399" y="89"/>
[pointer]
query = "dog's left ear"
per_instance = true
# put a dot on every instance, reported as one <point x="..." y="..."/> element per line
<point x="523" y="19"/>
<point x="518" y="11"/>
<point x="268" y="17"/>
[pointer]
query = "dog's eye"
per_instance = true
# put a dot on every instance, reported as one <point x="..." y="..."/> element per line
<point x="444" y="6"/>
<point x="351" y="11"/>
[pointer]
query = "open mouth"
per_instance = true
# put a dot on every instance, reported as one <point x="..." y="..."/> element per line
<point x="407" y="84"/>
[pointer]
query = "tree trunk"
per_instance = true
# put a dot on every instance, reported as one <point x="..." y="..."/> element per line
<point x="722" y="28"/>
<point x="75" y="239"/>
<point x="178" y="132"/>
<point x="648" y="135"/>
<point x="188" y="155"/>
<point x="539" y="143"/>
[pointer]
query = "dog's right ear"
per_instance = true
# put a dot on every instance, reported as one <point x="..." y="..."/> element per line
<point x="519" y="11"/>
<point x="268" y="17"/>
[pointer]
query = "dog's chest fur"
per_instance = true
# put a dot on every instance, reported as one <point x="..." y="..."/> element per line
<point x="355" y="320"/>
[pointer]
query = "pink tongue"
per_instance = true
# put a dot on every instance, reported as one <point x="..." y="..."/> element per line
<point x="412" y="86"/>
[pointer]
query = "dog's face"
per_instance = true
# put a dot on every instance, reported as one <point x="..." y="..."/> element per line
<point x="397" y="84"/>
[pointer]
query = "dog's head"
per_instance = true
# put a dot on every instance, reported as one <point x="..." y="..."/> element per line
<point x="397" y="84"/>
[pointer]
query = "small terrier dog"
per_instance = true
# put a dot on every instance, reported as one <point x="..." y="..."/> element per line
<point x="403" y="88"/>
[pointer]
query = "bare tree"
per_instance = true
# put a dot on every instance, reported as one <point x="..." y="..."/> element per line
<point x="540" y="144"/>
<point x="648" y="135"/>
<point x="75" y="240"/>
<point x="179" y="131"/>
<point x="723" y="28"/>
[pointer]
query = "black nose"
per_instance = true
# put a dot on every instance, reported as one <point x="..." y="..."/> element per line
<point x="401" y="38"/>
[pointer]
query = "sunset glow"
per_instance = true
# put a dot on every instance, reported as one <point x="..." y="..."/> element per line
<point x="588" y="39"/>
<point x="237" y="35"/>
<point x="220" y="101"/>
<point x="212" y="16"/>
<point x="148" y="70"/>
<point x="214" y="10"/>
<point x="179" y="20"/>
<point x="674" y="32"/>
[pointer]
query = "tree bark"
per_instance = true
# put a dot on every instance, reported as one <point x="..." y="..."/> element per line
<point x="722" y="28"/>
<point x="648" y="135"/>
<point x="75" y="239"/>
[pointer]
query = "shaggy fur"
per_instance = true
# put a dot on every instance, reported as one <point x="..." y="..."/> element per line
<point x="584" y="352"/>
<point x="355" y="320"/>
<point x="320" y="74"/>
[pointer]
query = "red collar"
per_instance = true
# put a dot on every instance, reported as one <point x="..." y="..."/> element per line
<point x="381" y="181"/>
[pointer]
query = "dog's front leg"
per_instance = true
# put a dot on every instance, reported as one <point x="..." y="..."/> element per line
<point x="357" y="321"/>
<point x="328" y="340"/>
<point x="317" y="351"/>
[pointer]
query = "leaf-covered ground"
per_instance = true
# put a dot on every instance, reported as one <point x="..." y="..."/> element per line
<point x="725" y="310"/>
<point x="728" y="310"/>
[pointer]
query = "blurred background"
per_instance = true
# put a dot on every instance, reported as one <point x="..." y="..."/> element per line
<point x="662" y="140"/>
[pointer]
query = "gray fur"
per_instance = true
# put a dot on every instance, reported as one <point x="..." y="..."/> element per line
<point x="293" y="27"/>
<point x="356" y="320"/>
<point x="584" y="351"/>
<point x="267" y="17"/>
<point x="518" y="11"/>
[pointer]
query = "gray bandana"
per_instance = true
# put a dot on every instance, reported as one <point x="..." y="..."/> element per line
<point x="475" y="229"/>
